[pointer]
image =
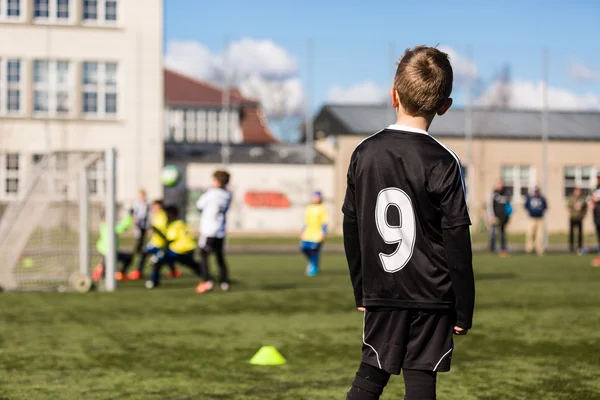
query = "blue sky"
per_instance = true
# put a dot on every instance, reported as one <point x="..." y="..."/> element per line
<point x="352" y="40"/>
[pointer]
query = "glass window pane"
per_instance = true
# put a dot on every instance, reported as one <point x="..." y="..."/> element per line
<point x="111" y="103"/>
<point x="90" y="102"/>
<point x="524" y="173"/>
<point x="62" y="72"/>
<point x="524" y="191"/>
<point x="570" y="173"/>
<point x="40" y="100"/>
<point x="90" y="9"/>
<point x="41" y="9"/>
<point x="90" y="73"/>
<point x="12" y="162"/>
<point x="13" y="8"/>
<point x="62" y="9"/>
<point x="586" y="173"/>
<point x="111" y="74"/>
<point x="62" y="102"/>
<point x="40" y="71"/>
<point x="13" y="68"/>
<point x="111" y="10"/>
<point x="12" y="185"/>
<point x="507" y="174"/>
<point x="509" y="190"/>
<point x="14" y="100"/>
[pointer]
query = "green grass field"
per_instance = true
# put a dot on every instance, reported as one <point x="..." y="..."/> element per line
<point x="536" y="336"/>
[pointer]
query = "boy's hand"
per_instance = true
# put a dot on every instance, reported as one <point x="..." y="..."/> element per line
<point x="460" y="331"/>
<point x="361" y="309"/>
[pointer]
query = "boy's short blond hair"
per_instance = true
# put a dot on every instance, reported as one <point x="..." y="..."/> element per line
<point x="423" y="80"/>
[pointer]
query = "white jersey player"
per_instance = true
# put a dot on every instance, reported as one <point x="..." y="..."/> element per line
<point x="213" y="205"/>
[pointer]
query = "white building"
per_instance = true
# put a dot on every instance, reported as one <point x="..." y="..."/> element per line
<point x="82" y="75"/>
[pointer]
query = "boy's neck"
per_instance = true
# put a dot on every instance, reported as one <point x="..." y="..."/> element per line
<point x="414" y="122"/>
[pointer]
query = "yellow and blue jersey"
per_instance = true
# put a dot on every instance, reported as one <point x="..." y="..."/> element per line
<point x="315" y="223"/>
<point x="181" y="240"/>
<point x="159" y="227"/>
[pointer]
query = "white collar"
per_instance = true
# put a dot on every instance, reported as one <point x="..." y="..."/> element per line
<point x="405" y="128"/>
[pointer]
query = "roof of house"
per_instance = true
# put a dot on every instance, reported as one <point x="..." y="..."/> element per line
<point x="274" y="153"/>
<point x="184" y="91"/>
<point x="362" y="120"/>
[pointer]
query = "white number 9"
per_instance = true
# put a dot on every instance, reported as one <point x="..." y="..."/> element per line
<point x="404" y="234"/>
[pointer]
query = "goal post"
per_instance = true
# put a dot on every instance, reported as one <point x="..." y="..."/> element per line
<point x="49" y="229"/>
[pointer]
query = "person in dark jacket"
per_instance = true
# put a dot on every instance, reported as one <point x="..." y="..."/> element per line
<point x="536" y="207"/>
<point x="595" y="205"/>
<point x="577" y="206"/>
<point x="499" y="211"/>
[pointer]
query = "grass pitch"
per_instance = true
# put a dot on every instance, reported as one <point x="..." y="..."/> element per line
<point x="536" y="336"/>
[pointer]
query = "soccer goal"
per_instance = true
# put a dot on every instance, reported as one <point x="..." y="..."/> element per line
<point x="48" y="231"/>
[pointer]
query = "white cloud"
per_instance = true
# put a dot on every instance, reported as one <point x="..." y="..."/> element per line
<point x="261" y="69"/>
<point x="529" y="95"/>
<point x="582" y="73"/>
<point x="365" y="92"/>
<point x="463" y="68"/>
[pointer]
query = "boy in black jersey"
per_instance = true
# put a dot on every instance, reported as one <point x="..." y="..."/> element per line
<point x="406" y="237"/>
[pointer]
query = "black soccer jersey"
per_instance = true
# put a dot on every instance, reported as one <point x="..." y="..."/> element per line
<point x="404" y="189"/>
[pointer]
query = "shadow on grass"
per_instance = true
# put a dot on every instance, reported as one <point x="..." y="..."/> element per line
<point x="495" y="277"/>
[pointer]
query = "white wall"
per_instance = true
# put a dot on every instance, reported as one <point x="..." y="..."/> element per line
<point x="288" y="179"/>
<point x="136" y="45"/>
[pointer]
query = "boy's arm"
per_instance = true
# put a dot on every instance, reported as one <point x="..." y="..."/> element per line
<point x="353" y="256"/>
<point x="351" y="236"/>
<point x="457" y="245"/>
<point x="124" y="224"/>
<point x="459" y="256"/>
<point x="201" y="203"/>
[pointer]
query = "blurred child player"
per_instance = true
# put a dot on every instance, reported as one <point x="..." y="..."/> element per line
<point x="141" y="216"/>
<point x="124" y="258"/>
<point x="406" y="237"/>
<point x="213" y="205"/>
<point x="157" y="244"/>
<point x="314" y="233"/>
<point x="181" y="246"/>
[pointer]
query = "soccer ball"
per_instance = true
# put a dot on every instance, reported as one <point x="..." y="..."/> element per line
<point x="170" y="175"/>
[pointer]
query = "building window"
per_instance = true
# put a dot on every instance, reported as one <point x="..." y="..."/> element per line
<point x="10" y="174"/>
<point x="51" y="10"/>
<point x="11" y="10"/>
<point x="579" y="177"/>
<point x="100" y="11"/>
<point x="10" y="86"/>
<point x="52" y="85"/>
<point x="96" y="179"/>
<point x="518" y="180"/>
<point x="100" y="89"/>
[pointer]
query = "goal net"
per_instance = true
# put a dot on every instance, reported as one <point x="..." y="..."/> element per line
<point x="48" y="231"/>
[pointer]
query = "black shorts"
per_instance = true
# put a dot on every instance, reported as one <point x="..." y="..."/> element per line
<point x="212" y="244"/>
<point x="408" y="338"/>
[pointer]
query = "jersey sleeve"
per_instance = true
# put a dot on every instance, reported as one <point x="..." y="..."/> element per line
<point x="349" y="206"/>
<point x="453" y="204"/>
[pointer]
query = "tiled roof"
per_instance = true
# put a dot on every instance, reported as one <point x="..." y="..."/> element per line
<point x="184" y="91"/>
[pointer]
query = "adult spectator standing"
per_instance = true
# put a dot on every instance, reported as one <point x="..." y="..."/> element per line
<point x="577" y="206"/>
<point x="536" y="207"/>
<point x="595" y="204"/>
<point x="499" y="211"/>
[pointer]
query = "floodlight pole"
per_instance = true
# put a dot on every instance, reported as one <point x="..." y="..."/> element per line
<point x="111" y="216"/>
<point x="469" y="130"/>
<point x="308" y="125"/>
<point x="545" y="134"/>
<point x="225" y="106"/>
<point x="84" y="235"/>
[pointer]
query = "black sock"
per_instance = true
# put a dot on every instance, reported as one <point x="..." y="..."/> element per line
<point x="368" y="384"/>
<point x="420" y="385"/>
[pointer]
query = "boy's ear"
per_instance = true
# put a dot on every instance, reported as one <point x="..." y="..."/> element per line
<point x="447" y="104"/>
<point x="394" y="98"/>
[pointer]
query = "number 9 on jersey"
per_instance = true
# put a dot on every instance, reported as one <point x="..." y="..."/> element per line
<point x="403" y="234"/>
